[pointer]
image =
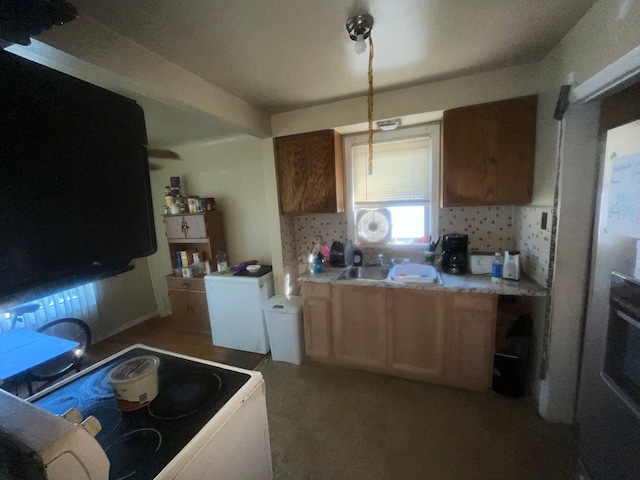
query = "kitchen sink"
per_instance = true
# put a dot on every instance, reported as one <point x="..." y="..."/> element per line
<point x="364" y="273"/>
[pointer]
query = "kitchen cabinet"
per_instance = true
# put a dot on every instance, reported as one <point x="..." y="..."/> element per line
<point x="189" y="303"/>
<point x="317" y="319"/>
<point x="202" y="232"/>
<point x="488" y="153"/>
<point x="417" y="332"/>
<point x="435" y="336"/>
<point x="473" y="339"/>
<point x="310" y="173"/>
<point x="181" y="227"/>
<point x="360" y="325"/>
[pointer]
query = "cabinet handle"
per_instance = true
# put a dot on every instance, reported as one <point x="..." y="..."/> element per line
<point x="185" y="285"/>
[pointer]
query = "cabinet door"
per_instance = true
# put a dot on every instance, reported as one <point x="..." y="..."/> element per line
<point x="417" y="332"/>
<point x="488" y="153"/>
<point x="199" y="312"/>
<point x="317" y="320"/>
<point x="174" y="227"/>
<point x="474" y="319"/>
<point x="317" y="327"/>
<point x="360" y="325"/>
<point x="179" y="306"/>
<point x="195" y="226"/>
<point x="310" y="173"/>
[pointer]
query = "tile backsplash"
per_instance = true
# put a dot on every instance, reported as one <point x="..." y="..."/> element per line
<point x="493" y="228"/>
<point x="534" y="243"/>
<point x="288" y="235"/>
<point x="330" y="226"/>
<point x="490" y="229"/>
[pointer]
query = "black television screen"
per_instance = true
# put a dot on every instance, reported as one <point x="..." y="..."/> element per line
<point x="75" y="197"/>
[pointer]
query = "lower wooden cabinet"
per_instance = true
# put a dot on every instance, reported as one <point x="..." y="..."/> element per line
<point x="437" y="336"/>
<point x="189" y="307"/>
<point x="474" y="333"/>
<point x="360" y="325"/>
<point x="416" y="332"/>
<point x="317" y="320"/>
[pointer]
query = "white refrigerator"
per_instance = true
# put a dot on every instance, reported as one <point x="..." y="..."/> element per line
<point x="235" y="309"/>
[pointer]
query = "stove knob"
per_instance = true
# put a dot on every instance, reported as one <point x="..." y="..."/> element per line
<point x="73" y="415"/>
<point x="92" y="425"/>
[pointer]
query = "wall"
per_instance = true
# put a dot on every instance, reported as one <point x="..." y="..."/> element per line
<point x="124" y="300"/>
<point x="232" y="172"/>
<point x="607" y="32"/>
<point x="436" y="96"/>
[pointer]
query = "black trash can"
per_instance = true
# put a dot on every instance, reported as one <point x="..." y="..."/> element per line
<point x="511" y="363"/>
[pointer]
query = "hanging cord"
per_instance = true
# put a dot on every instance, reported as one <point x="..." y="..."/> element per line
<point x="370" y="105"/>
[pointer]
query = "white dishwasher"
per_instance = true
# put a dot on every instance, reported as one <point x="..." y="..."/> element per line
<point x="235" y="308"/>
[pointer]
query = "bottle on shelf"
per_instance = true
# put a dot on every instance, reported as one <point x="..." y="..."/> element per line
<point x="496" y="269"/>
<point x="317" y="263"/>
<point x="221" y="260"/>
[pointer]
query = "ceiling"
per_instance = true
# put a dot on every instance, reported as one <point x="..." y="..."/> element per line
<point x="282" y="55"/>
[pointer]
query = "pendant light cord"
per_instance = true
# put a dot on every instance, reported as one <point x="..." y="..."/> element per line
<point x="370" y="105"/>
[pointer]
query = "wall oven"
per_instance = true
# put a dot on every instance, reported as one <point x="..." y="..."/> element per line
<point x="621" y="368"/>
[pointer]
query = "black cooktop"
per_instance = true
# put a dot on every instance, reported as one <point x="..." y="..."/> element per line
<point x="140" y="443"/>
<point x="263" y="270"/>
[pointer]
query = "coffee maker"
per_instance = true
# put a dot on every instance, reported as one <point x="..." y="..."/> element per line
<point x="454" y="253"/>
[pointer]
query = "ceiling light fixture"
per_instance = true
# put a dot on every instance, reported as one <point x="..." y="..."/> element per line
<point x="388" y="125"/>
<point x="359" y="29"/>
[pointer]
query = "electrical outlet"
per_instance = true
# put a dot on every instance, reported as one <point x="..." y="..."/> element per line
<point x="543" y="221"/>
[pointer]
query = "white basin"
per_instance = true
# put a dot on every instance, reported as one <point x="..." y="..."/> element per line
<point x="413" y="273"/>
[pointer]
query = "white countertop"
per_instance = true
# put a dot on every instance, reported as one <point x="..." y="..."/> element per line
<point x="460" y="283"/>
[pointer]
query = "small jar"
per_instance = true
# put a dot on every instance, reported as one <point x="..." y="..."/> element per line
<point x="193" y="204"/>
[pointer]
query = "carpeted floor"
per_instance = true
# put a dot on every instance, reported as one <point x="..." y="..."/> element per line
<point x="334" y="423"/>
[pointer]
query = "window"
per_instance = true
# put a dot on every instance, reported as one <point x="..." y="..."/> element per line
<point x="396" y="200"/>
<point x="79" y="302"/>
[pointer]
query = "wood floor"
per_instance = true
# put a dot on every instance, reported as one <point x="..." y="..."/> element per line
<point x="159" y="333"/>
<point x="162" y="333"/>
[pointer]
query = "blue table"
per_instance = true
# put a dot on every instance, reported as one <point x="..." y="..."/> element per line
<point x="22" y="350"/>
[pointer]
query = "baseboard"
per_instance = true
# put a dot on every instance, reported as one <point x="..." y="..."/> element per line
<point x="127" y="325"/>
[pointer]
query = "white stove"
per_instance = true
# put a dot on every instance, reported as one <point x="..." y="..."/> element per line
<point x="204" y="415"/>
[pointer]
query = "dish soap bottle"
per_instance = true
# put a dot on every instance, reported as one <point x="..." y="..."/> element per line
<point x="496" y="269"/>
<point x="357" y="258"/>
<point x="221" y="260"/>
<point x="317" y="263"/>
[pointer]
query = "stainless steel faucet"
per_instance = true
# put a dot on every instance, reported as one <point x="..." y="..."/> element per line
<point x="384" y="262"/>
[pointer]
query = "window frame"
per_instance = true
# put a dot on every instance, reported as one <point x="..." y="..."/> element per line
<point x="349" y="141"/>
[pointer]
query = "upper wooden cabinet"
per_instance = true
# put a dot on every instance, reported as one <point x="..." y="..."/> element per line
<point x="196" y="231"/>
<point x="181" y="227"/>
<point x="310" y="173"/>
<point x="488" y="153"/>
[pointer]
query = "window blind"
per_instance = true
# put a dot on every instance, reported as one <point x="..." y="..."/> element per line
<point x="400" y="171"/>
<point x="79" y="302"/>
